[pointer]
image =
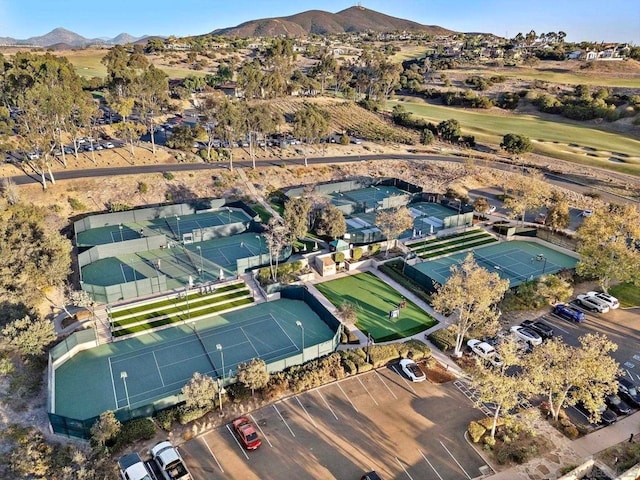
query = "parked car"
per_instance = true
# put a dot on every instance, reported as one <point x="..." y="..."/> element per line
<point x="247" y="433"/>
<point x="615" y="403"/>
<point x="527" y="335"/>
<point x="607" y="416"/>
<point x="629" y="392"/>
<point x="108" y="145"/>
<point x="485" y="351"/>
<point x="412" y="370"/>
<point x="606" y="298"/>
<point x="133" y="468"/>
<point x="541" y="219"/>
<point x="543" y="329"/>
<point x="170" y="462"/>
<point x="586" y="213"/>
<point x="592" y="303"/>
<point x="569" y="313"/>
<point x="371" y="476"/>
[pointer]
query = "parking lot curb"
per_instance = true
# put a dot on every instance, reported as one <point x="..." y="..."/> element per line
<point x="482" y="456"/>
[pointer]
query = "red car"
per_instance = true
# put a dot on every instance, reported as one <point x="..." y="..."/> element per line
<point x="247" y="433"/>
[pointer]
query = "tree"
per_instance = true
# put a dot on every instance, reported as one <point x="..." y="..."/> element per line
<point x="498" y="384"/>
<point x="449" y="130"/>
<point x="516" y="144"/>
<point x="608" y="245"/>
<point x="526" y="192"/>
<point x="331" y="222"/>
<point x="228" y="124"/>
<point x="296" y="216"/>
<point x="393" y="222"/>
<point x="470" y="295"/>
<point x="29" y="336"/>
<point x="426" y="137"/>
<point x="554" y="289"/>
<point x="276" y="236"/>
<point x="481" y="205"/>
<point x="310" y="123"/>
<point x="105" y="428"/>
<point x="253" y="374"/>
<point x="566" y="374"/>
<point x="326" y="67"/>
<point x="558" y="216"/>
<point x="182" y="138"/>
<point x="151" y="95"/>
<point x="347" y="312"/>
<point x="200" y="391"/>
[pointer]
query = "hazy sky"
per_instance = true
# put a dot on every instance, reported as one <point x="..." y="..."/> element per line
<point x="596" y="20"/>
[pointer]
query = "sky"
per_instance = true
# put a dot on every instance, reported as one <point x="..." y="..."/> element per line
<point x="592" y="20"/>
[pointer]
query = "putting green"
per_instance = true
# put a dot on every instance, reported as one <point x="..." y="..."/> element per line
<point x="373" y="300"/>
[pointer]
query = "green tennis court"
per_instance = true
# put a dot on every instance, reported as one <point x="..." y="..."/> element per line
<point x="518" y="261"/>
<point x="374" y="300"/>
<point x="155" y="366"/>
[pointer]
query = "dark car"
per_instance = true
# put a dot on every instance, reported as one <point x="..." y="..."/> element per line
<point x="618" y="405"/>
<point x="543" y="329"/>
<point x="629" y="392"/>
<point x="607" y="416"/>
<point x="569" y="313"/>
<point x="371" y="476"/>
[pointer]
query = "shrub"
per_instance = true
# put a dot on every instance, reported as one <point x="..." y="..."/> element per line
<point x="133" y="430"/>
<point x="364" y="367"/>
<point x="487" y="422"/>
<point x="489" y="441"/>
<point x="475" y="431"/>
<point x="165" y="418"/>
<point x="76" y="204"/>
<point x="356" y="254"/>
<point x="277" y="386"/>
<point x="143" y="187"/>
<point x="416" y="347"/>
<point x="443" y="338"/>
<point x="344" y="140"/>
<point x="352" y="338"/>
<point x="349" y="367"/>
<point x="382" y="354"/>
<point x="186" y="415"/>
<point x="374" y="249"/>
<point x="338" y="257"/>
<point x="571" y="431"/>
<point x="168" y="175"/>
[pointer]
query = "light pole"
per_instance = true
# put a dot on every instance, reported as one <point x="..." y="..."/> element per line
<point x="259" y="237"/>
<point x="544" y="265"/>
<point x="229" y="211"/>
<point x="120" y="228"/>
<point x="220" y="382"/>
<point x="299" y="323"/>
<point x="178" y="224"/>
<point x="199" y="248"/>
<point x="123" y="376"/>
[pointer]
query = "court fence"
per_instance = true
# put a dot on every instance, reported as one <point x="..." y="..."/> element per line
<point x="81" y="340"/>
<point x="123" y="291"/>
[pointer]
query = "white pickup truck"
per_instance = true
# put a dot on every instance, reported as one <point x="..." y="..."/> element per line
<point x="170" y="462"/>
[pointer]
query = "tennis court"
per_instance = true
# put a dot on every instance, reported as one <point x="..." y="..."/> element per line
<point x="518" y="261"/>
<point x="202" y="262"/>
<point x="374" y="300"/>
<point x="158" y="364"/>
<point x="174" y="227"/>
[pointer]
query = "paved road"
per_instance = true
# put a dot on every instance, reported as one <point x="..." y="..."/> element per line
<point x="179" y="167"/>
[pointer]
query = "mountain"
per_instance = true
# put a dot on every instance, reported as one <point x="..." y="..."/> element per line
<point x="353" y="19"/>
<point x="62" y="36"/>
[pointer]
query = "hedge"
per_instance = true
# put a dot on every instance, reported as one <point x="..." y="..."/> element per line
<point x="475" y="431"/>
<point x="443" y="339"/>
<point x="132" y="430"/>
<point x="186" y="415"/>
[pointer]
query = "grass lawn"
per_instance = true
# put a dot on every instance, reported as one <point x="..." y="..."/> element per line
<point x="373" y="300"/>
<point x="627" y="293"/>
<point x="559" y="138"/>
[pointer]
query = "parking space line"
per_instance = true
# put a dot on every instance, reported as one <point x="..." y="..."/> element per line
<point x="214" y="457"/>
<point x="385" y="384"/>
<point x="405" y="470"/>
<point x="454" y="459"/>
<point x="305" y="411"/>
<point x="636" y="376"/>
<point x="367" y="390"/>
<point x="345" y="396"/>
<point x="237" y="442"/>
<point x="261" y="431"/>
<point x="283" y="420"/>
<point x="328" y="406"/>
<point x="556" y="326"/>
<point x="405" y="380"/>
<point x="629" y="373"/>
<point x="429" y="463"/>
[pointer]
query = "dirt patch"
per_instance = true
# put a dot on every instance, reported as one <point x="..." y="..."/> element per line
<point x="437" y="373"/>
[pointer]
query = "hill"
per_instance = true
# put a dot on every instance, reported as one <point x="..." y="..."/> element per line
<point x="351" y="20"/>
<point x="62" y="36"/>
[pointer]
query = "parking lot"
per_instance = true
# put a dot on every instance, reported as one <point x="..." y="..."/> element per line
<point x="376" y="421"/>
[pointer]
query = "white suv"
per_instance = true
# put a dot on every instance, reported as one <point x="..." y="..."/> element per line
<point x="591" y="302"/>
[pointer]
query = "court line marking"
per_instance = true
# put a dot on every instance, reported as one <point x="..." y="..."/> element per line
<point x="367" y="390"/>
<point x="429" y="463"/>
<point x="283" y="420"/>
<point x="158" y="367"/>
<point x="405" y="380"/>
<point x="249" y="340"/>
<point x="305" y="411"/>
<point x="454" y="459"/>
<point x="403" y="468"/>
<point x="385" y="384"/>
<point x="328" y="406"/>
<point x="284" y="331"/>
<point x="123" y="275"/>
<point x="261" y="431"/>
<point x="113" y="384"/>
<point x="345" y="396"/>
<point x="214" y="457"/>
<point x="237" y="442"/>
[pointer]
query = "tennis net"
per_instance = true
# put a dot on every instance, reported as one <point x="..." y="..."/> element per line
<point x="493" y="266"/>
